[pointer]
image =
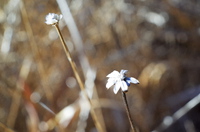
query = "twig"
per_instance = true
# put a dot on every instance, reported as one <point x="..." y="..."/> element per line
<point x="133" y="127"/>
<point x="88" y="71"/>
<point x="16" y="97"/>
<point x="36" y="53"/>
<point x="178" y="114"/>
<point x="97" y="124"/>
<point x="5" y="128"/>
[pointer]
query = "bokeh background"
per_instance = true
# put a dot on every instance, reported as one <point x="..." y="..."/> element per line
<point x="157" y="41"/>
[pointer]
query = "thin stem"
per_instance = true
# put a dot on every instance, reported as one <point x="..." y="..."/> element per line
<point x="77" y="76"/>
<point x="36" y="53"/>
<point x="133" y="127"/>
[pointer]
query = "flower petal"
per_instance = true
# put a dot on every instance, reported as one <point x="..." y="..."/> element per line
<point x="60" y="16"/>
<point x="110" y="82"/>
<point x="117" y="87"/>
<point x="113" y="79"/>
<point x="133" y="80"/>
<point x="123" y="71"/>
<point x="124" y="86"/>
<point x="113" y="74"/>
<point x="52" y="18"/>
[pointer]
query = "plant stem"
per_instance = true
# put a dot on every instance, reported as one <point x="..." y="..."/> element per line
<point x="77" y="76"/>
<point x="133" y="127"/>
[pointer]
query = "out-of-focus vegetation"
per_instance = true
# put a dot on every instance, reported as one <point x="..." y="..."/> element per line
<point x="158" y="41"/>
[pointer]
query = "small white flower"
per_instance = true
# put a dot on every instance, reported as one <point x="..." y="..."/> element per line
<point x="52" y="18"/>
<point x="120" y="80"/>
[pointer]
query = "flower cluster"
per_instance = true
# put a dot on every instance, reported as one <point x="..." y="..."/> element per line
<point x="119" y="80"/>
<point x="52" y="19"/>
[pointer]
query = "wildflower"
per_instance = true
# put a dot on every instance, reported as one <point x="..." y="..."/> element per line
<point x="120" y="80"/>
<point x="52" y="19"/>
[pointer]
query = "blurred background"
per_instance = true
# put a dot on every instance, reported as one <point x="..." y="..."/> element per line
<point x="157" y="41"/>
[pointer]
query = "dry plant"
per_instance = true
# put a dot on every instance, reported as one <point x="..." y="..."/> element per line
<point x="157" y="41"/>
<point x="119" y="80"/>
<point x="53" y="19"/>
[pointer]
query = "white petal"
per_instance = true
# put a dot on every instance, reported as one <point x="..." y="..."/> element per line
<point x="48" y="22"/>
<point x="52" y="21"/>
<point x="133" y="80"/>
<point x="60" y="16"/>
<point x="49" y="16"/>
<point x="113" y="74"/>
<point x="124" y="86"/>
<point x="52" y="18"/>
<point x="117" y="87"/>
<point x="123" y="71"/>
<point x="110" y="83"/>
<point x="112" y="79"/>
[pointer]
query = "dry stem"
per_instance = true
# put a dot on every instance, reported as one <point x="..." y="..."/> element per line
<point x="133" y="127"/>
<point x="73" y="65"/>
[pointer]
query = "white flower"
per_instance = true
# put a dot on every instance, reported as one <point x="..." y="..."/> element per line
<point x="120" y="80"/>
<point x="52" y="18"/>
